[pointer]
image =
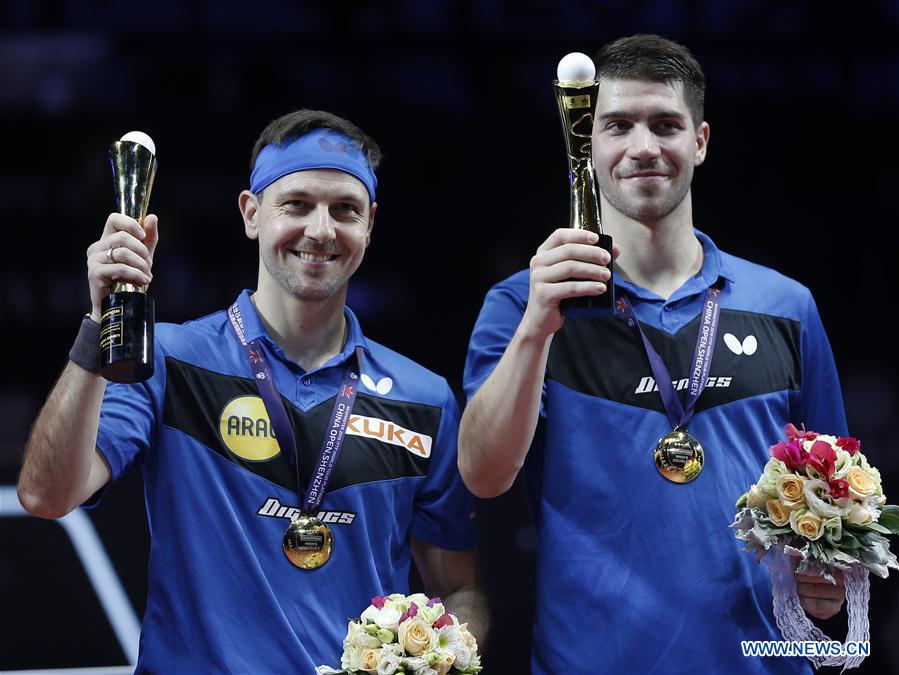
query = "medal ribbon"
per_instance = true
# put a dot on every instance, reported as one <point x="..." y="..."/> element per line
<point x="277" y="413"/>
<point x="678" y="414"/>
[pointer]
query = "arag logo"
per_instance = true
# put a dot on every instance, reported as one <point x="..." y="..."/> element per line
<point x="246" y="430"/>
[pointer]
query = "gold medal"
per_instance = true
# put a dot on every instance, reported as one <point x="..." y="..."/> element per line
<point x="307" y="542"/>
<point x="679" y="456"/>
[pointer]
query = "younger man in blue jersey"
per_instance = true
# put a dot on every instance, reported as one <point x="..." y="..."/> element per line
<point x="221" y="486"/>
<point x="636" y="573"/>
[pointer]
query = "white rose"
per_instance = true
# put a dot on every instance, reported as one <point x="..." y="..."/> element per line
<point x="387" y="617"/>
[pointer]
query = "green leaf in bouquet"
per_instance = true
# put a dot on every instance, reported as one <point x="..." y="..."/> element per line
<point x="838" y="555"/>
<point x="877" y="527"/>
<point x="892" y="509"/>
<point x="890" y="520"/>
<point x="780" y="530"/>
<point x="848" y="541"/>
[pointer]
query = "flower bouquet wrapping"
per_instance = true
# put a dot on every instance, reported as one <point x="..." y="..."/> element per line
<point x="818" y="507"/>
<point x="407" y="634"/>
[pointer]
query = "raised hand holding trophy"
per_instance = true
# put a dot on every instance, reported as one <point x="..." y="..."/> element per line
<point x="576" y="90"/>
<point x="126" y="323"/>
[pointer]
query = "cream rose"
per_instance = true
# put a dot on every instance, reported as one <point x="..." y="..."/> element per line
<point x="370" y="660"/>
<point x="806" y="524"/>
<point x="861" y="484"/>
<point x="790" y="490"/>
<point x="756" y="499"/>
<point x="442" y="663"/>
<point x="859" y="515"/>
<point x="416" y="637"/>
<point x="779" y="514"/>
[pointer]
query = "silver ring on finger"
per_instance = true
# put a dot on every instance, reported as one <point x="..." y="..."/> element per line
<point x="109" y="257"/>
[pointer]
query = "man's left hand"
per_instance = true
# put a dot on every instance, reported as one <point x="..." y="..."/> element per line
<point x="818" y="597"/>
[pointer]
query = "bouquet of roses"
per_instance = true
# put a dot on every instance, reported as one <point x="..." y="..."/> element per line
<point x="407" y="634"/>
<point x="819" y="506"/>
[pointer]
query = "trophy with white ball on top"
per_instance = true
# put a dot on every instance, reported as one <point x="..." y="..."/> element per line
<point x="126" y="323"/>
<point x="576" y="89"/>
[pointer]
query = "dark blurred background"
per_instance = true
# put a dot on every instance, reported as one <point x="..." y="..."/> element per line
<point x="803" y="102"/>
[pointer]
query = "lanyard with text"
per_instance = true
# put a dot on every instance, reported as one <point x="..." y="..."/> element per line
<point x="679" y="456"/>
<point x="308" y="541"/>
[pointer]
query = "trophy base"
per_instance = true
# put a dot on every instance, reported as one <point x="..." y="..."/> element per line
<point x="594" y="305"/>
<point x="126" y="337"/>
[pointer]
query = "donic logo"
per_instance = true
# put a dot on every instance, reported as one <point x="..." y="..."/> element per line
<point x="246" y="430"/>
<point x="275" y="509"/>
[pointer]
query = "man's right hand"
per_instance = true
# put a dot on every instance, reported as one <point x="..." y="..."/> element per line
<point x="123" y="253"/>
<point x="567" y="265"/>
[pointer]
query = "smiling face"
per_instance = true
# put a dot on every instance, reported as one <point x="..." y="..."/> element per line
<point x="645" y="147"/>
<point x="313" y="228"/>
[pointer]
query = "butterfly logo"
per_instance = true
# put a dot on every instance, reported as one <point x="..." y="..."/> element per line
<point x="747" y="346"/>
<point x="384" y="385"/>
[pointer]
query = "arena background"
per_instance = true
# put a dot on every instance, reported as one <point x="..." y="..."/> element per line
<point x="803" y="102"/>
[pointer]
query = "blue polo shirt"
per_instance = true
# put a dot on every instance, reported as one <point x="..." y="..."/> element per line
<point x="636" y="574"/>
<point x="222" y="595"/>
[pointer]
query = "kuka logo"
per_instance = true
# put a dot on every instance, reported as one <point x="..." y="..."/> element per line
<point x="246" y="430"/>
<point x="382" y="430"/>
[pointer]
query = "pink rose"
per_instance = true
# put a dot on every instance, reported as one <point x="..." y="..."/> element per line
<point x="378" y="601"/>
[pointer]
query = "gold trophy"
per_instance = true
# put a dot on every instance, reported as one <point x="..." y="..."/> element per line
<point x="576" y="90"/>
<point x="126" y="324"/>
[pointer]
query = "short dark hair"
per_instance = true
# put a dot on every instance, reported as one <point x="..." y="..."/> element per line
<point x="654" y="59"/>
<point x="293" y="125"/>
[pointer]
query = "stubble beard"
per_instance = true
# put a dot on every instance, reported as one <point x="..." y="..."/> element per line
<point x="645" y="208"/>
<point x="314" y="290"/>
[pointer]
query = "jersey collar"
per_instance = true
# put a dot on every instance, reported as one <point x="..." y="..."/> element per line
<point x="255" y="330"/>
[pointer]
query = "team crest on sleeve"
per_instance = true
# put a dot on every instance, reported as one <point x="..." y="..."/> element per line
<point x="246" y="429"/>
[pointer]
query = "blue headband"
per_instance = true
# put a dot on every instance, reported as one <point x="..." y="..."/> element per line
<point x="318" y="149"/>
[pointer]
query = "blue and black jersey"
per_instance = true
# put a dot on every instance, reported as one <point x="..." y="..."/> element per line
<point x="636" y="574"/>
<point x="223" y="597"/>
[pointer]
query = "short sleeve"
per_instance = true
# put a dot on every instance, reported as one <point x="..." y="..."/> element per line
<point x="819" y="402"/>
<point x="496" y="324"/>
<point x="128" y="421"/>
<point x="444" y="508"/>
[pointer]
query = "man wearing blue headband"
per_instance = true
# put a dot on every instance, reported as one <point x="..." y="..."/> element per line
<point x="293" y="468"/>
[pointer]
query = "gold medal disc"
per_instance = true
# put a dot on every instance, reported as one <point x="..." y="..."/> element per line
<point x="307" y="542"/>
<point x="679" y="456"/>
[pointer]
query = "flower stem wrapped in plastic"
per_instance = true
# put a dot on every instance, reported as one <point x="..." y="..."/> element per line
<point x="818" y="507"/>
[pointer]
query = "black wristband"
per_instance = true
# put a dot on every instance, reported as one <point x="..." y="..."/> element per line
<point x="86" y="350"/>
